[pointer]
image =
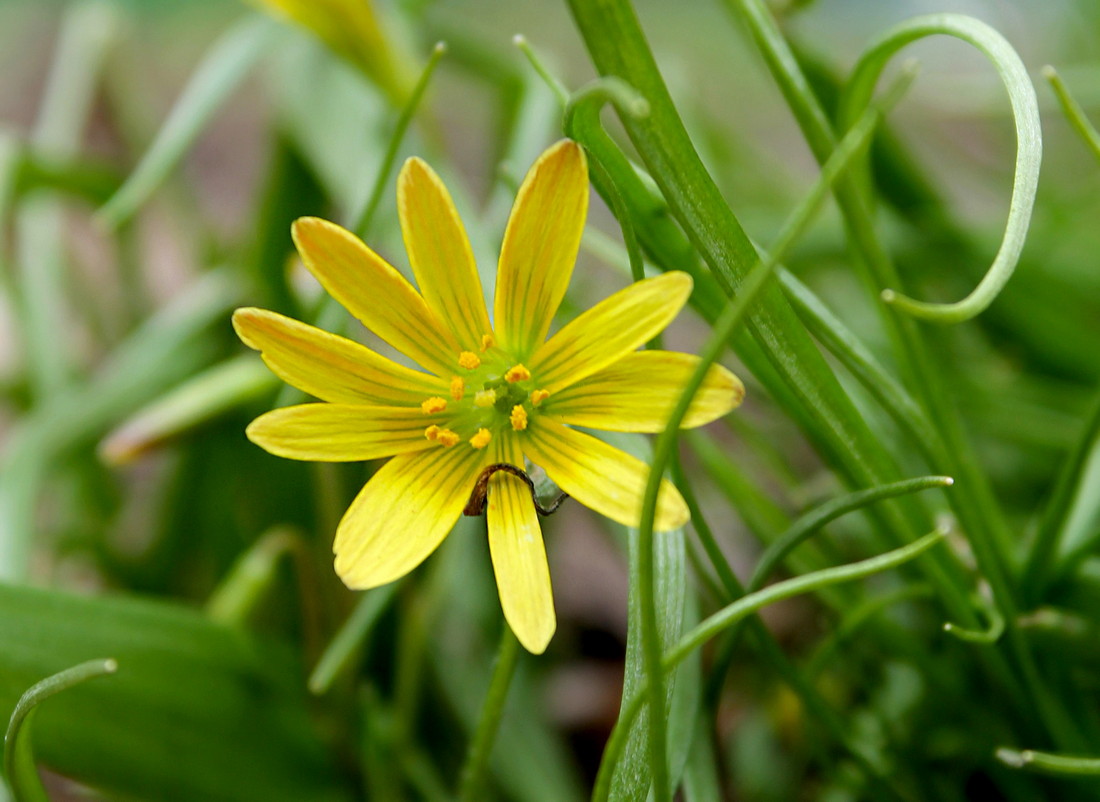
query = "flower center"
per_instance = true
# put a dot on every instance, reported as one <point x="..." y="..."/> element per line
<point x="490" y="393"/>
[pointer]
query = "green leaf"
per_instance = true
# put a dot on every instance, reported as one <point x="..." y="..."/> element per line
<point x="19" y="768"/>
<point x="634" y="773"/>
<point x="223" y="69"/>
<point x="197" y="710"/>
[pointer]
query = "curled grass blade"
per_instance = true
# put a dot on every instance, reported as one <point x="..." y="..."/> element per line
<point x="1029" y="145"/>
<point x="19" y="765"/>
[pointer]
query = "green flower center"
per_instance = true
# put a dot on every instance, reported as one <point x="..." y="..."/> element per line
<point x="490" y="392"/>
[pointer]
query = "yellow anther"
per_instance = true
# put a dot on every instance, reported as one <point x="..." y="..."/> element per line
<point x="485" y="398"/>
<point x="538" y="396"/>
<point x="469" y="360"/>
<point x="447" y="438"/>
<point x="487" y="342"/>
<point x="433" y="405"/>
<point x="518" y="418"/>
<point x="481" y="439"/>
<point x="432" y="432"/>
<point x="517" y="373"/>
<point x="458" y="388"/>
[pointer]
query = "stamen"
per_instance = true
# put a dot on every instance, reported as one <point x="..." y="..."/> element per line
<point x="433" y="405"/>
<point x="517" y="373"/>
<point x="487" y="342"/>
<point x="485" y="398"/>
<point x="469" y="360"/>
<point x="432" y="432"/>
<point x="518" y="418"/>
<point x="447" y="438"/>
<point x="481" y="439"/>
<point x="538" y="396"/>
<point x="458" y="388"/>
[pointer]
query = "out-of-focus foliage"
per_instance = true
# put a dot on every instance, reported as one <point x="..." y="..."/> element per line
<point x="152" y="159"/>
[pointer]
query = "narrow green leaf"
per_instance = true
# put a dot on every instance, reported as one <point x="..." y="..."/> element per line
<point x="1029" y="144"/>
<point x="1049" y="762"/>
<point x="634" y="772"/>
<point x="19" y="766"/>
<point x="1073" y="111"/>
<point x="338" y="655"/>
<point x="733" y="613"/>
<point x="198" y="400"/>
<point x="200" y="711"/>
<point x="159" y="353"/>
<point x="223" y="68"/>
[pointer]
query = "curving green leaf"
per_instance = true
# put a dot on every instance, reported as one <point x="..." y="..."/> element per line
<point x="200" y="711"/>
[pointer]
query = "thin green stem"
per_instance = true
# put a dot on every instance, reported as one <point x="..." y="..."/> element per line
<point x="978" y="512"/>
<point x="666" y="442"/>
<point x="1047" y="539"/>
<point x="990" y="635"/>
<point x="19" y="764"/>
<point x="1049" y="762"/>
<point x="1073" y="111"/>
<point x="556" y="86"/>
<point x="733" y="613"/>
<point x="222" y="70"/>
<point x="408" y="112"/>
<point x="340" y="652"/>
<point x="812" y="521"/>
<point x="772" y="652"/>
<point x="1029" y="146"/>
<point x="477" y="758"/>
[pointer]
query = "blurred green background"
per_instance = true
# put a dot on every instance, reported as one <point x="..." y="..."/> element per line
<point x="131" y="521"/>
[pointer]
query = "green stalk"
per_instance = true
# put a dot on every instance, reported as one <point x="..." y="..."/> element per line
<point x="1073" y="111"/>
<point x="666" y="442"/>
<point x="341" y="651"/>
<point x="806" y="691"/>
<point x="732" y="614"/>
<point x="408" y="112"/>
<point x="19" y="764"/>
<point x="1049" y="762"/>
<point x="222" y="70"/>
<point x="816" y="518"/>
<point x="477" y="758"/>
<point x="1044" y="549"/>
<point x="779" y="350"/>
<point x="974" y="504"/>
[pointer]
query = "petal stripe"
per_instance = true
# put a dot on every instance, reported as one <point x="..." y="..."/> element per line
<point x="403" y="513"/>
<point x="610" y="330"/>
<point x="330" y="367"/>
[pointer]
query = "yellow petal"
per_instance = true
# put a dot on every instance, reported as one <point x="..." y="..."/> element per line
<point x="637" y="394"/>
<point x="340" y="432"/>
<point x="599" y="476"/>
<point x="403" y="513"/>
<point x="440" y="253"/>
<point x="519" y="557"/>
<point x="610" y="330"/>
<point x="373" y="291"/>
<point x="330" y="367"/>
<point x="350" y="28"/>
<point x="540" y="247"/>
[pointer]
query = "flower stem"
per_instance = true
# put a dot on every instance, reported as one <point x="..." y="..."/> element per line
<point x="477" y="758"/>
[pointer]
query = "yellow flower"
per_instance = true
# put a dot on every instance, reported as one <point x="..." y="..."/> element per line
<point x="522" y="397"/>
